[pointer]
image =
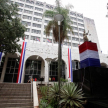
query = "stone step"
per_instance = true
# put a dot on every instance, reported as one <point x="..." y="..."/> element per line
<point x="19" y="107"/>
<point x="11" y="91"/>
<point x="15" y="97"/>
<point x="16" y="104"/>
<point x="15" y="94"/>
<point x="15" y="100"/>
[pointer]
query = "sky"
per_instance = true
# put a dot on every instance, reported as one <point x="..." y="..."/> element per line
<point x="94" y="9"/>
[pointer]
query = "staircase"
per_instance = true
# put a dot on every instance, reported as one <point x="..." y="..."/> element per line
<point x="13" y="95"/>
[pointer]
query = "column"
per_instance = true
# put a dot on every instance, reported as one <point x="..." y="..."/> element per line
<point x="4" y="69"/>
<point x="46" y="71"/>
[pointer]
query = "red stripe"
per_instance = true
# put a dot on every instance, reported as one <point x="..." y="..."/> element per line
<point x="20" y="62"/>
<point x="88" y="46"/>
<point x="69" y="62"/>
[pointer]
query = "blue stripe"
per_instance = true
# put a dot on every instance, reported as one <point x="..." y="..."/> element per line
<point x="22" y="62"/>
<point x="0" y="55"/>
<point x="71" y="67"/>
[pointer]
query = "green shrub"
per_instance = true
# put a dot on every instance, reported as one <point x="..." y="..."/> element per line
<point x="44" y="90"/>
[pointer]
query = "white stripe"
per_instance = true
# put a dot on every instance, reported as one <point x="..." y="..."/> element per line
<point x="89" y="54"/>
<point x="21" y="64"/>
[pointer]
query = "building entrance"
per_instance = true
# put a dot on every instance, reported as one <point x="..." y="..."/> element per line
<point x="11" y="70"/>
<point x="53" y="74"/>
<point x="33" y="67"/>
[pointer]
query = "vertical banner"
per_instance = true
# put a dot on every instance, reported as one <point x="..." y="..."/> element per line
<point x="20" y="69"/>
<point x="70" y="65"/>
<point x="0" y="57"/>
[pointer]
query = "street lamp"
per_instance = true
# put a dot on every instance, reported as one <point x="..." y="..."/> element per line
<point x="59" y="18"/>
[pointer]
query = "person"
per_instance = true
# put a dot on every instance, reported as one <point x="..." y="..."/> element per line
<point x="35" y="79"/>
<point x="49" y="78"/>
<point x="53" y="79"/>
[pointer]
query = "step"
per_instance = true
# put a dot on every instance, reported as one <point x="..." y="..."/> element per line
<point x="16" y="104"/>
<point x="15" y="97"/>
<point x="15" y="100"/>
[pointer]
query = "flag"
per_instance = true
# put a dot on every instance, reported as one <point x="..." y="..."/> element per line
<point x="20" y="69"/>
<point x="38" y="39"/>
<point x="48" y="41"/>
<point x="70" y="65"/>
<point x="0" y="57"/>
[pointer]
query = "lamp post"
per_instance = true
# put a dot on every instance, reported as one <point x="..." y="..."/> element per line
<point x="59" y="18"/>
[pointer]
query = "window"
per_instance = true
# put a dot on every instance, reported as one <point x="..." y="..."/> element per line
<point x="49" y="40"/>
<point x="49" y="6"/>
<point x="28" y="30"/>
<point x="30" y="1"/>
<point x="35" y="38"/>
<point x="20" y="10"/>
<point x="38" y="9"/>
<point x="75" y="44"/>
<point x="29" y="7"/>
<point x="27" y="11"/>
<point x="81" y="40"/>
<point x="27" y="17"/>
<point x="75" y="39"/>
<point x="39" y="4"/>
<point x="22" y="0"/>
<point x="82" y="25"/>
<point x="80" y="20"/>
<point x="75" y="33"/>
<point x="37" y="19"/>
<point x="72" y="13"/>
<point x="73" y="18"/>
<point x="36" y="31"/>
<point x="81" y="34"/>
<point x="80" y="29"/>
<point x="75" y="23"/>
<point x="69" y="37"/>
<point x="46" y="21"/>
<point x="65" y="43"/>
<point x="36" y="25"/>
<point x="78" y="15"/>
<point x="37" y="14"/>
<point x="75" y="28"/>
<point x="26" y="23"/>
<point x="19" y="4"/>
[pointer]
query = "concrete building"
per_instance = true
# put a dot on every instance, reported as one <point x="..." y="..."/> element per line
<point x="41" y="51"/>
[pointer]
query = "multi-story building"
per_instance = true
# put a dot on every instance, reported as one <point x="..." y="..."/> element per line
<point x="41" y="51"/>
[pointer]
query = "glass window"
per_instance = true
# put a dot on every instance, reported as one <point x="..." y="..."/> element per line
<point x="75" y="33"/>
<point x="22" y="0"/>
<point x="30" y="1"/>
<point x="20" y="10"/>
<point x="49" y="40"/>
<point x="82" y="25"/>
<point x="80" y="29"/>
<point x="37" y="14"/>
<point x="81" y="40"/>
<point x="27" y="17"/>
<point x="36" y="25"/>
<point x="19" y="4"/>
<point x="75" y="23"/>
<point x="38" y="9"/>
<point x="39" y="4"/>
<point x="49" y="6"/>
<point x="26" y="36"/>
<point x="79" y="15"/>
<point x="74" y="44"/>
<point x="80" y="20"/>
<point x="46" y="21"/>
<point x="75" y="39"/>
<point x="73" y="18"/>
<point x="72" y="13"/>
<point x="75" y="28"/>
<point x="27" y="11"/>
<point x="81" y="34"/>
<point x="28" y="30"/>
<point x="19" y="15"/>
<point x="28" y="6"/>
<point x="37" y="19"/>
<point x="26" y="23"/>
<point x="36" y="31"/>
<point x="44" y="39"/>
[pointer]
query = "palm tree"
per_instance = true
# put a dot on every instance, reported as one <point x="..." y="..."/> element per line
<point x="71" y="96"/>
<point x="65" y="24"/>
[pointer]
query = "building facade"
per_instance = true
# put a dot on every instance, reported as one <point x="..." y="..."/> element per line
<point x="42" y="52"/>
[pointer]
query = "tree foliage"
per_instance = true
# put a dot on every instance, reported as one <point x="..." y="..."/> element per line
<point x="65" y="24"/>
<point x="11" y="29"/>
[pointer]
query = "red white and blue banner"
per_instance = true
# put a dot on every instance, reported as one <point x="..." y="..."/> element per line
<point x="70" y="65"/>
<point x="38" y="39"/>
<point x="89" y="55"/>
<point x="21" y="63"/>
<point x="0" y="56"/>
